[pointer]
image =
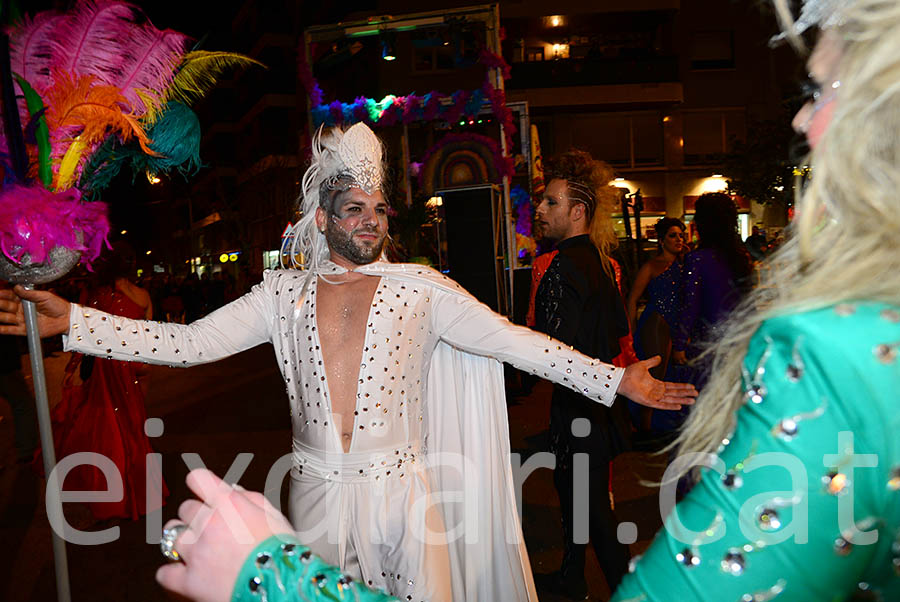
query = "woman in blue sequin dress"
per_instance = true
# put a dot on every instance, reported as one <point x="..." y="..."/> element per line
<point x="660" y="278"/>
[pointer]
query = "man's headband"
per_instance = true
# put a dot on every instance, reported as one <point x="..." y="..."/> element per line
<point x="581" y="193"/>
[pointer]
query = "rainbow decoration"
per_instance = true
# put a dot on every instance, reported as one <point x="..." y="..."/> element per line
<point x="503" y="166"/>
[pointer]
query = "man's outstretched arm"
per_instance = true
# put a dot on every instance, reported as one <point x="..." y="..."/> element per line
<point x="465" y="323"/>
<point x="240" y="325"/>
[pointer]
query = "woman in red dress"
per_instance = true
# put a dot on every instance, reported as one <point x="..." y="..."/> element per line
<point x="105" y="412"/>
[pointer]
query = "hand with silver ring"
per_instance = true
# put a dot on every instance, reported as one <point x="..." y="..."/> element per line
<point x="167" y="543"/>
<point x="214" y="535"/>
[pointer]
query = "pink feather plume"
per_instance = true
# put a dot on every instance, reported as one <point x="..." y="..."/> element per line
<point x="150" y="59"/>
<point x="30" y="45"/>
<point x="90" y="38"/>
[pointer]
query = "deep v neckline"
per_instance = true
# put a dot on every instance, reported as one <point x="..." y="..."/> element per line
<point x="320" y="352"/>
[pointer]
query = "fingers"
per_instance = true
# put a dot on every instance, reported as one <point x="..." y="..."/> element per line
<point x="188" y="511"/>
<point x="663" y="405"/>
<point x="687" y="388"/>
<point x="182" y="543"/>
<point x="8" y="297"/>
<point x="11" y="309"/>
<point x="30" y="294"/>
<point x="207" y="486"/>
<point x="259" y="499"/>
<point x="173" y="577"/>
<point x="223" y="499"/>
<point x="684" y="393"/>
<point x="10" y="329"/>
<point x="652" y="362"/>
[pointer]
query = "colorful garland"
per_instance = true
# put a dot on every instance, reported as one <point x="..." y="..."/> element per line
<point x="522" y="207"/>
<point x="392" y="110"/>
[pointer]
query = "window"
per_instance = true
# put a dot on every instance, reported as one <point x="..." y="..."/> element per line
<point x="271" y="260"/>
<point x="606" y="137"/>
<point x="434" y="58"/>
<point x="708" y="134"/>
<point x="647" y="135"/>
<point x="621" y="139"/>
<point x="712" y="50"/>
<point x="534" y="53"/>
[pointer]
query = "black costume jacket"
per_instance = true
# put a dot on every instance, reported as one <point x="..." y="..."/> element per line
<point x="578" y="303"/>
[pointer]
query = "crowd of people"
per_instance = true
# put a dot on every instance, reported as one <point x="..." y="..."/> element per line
<point x="389" y="367"/>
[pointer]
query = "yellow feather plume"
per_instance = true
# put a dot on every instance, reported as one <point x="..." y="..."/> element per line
<point x="197" y="74"/>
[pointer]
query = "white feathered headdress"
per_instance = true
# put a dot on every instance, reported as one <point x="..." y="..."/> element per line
<point x="340" y="160"/>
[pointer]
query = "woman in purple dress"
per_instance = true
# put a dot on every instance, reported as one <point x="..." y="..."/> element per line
<point x="716" y="276"/>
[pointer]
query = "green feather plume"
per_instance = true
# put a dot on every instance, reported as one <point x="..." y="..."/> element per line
<point x="35" y="104"/>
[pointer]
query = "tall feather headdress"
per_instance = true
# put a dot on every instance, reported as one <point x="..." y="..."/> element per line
<point x="98" y="87"/>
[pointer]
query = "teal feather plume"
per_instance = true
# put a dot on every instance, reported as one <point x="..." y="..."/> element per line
<point x="176" y="138"/>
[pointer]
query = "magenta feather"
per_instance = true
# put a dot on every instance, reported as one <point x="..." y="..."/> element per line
<point x="91" y="37"/>
<point x="150" y="59"/>
<point x="33" y="220"/>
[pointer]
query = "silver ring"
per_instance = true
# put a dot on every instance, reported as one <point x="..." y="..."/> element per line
<point x="167" y="543"/>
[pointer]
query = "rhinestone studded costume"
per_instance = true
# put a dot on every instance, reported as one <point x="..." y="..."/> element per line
<point x="430" y="392"/>
<point x="818" y="432"/>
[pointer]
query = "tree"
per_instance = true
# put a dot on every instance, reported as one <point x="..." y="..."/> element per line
<point x="761" y="167"/>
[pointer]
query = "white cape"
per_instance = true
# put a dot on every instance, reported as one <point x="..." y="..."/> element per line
<point x="466" y="418"/>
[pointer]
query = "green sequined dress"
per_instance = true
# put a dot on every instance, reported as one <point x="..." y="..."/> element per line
<point x="803" y="500"/>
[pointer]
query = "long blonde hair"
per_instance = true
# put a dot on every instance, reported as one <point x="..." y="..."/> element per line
<point x="843" y="244"/>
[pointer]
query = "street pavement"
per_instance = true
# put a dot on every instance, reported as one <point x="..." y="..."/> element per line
<point x="235" y="406"/>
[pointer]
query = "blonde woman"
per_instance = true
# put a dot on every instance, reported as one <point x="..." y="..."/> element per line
<point x="798" y="425"/>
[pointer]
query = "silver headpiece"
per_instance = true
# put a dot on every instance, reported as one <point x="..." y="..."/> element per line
<point x="823" y="14"/>
<point x="359" y="150"/>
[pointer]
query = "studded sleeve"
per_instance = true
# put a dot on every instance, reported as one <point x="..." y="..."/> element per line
<point x="802" y="500"/>
<point x="240" y="325"/>
<point x="465" y="323"/>
<point x="280" y="569"/>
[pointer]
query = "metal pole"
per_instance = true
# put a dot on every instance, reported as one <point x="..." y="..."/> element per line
<point x="509" y="229"/>
<point x="54" y="509"/>
<point x="405" y="149"/>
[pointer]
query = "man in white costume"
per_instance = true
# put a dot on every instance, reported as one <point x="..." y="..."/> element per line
<point x="401" y="468"/>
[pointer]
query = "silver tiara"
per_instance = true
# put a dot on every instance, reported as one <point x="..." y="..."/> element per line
<point x="823" y="14"/>
<point x="360" y="152"/>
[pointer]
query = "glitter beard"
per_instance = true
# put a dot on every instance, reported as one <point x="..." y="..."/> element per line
<point x="341" y="228"/>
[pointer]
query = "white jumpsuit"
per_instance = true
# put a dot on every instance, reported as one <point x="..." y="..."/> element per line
<point x="429" y="434"/>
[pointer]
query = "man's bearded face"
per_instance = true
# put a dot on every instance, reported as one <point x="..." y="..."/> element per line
<point x="356" y="225"/>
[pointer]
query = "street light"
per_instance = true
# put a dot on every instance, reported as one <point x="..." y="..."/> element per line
<point x="387" y="46"/>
